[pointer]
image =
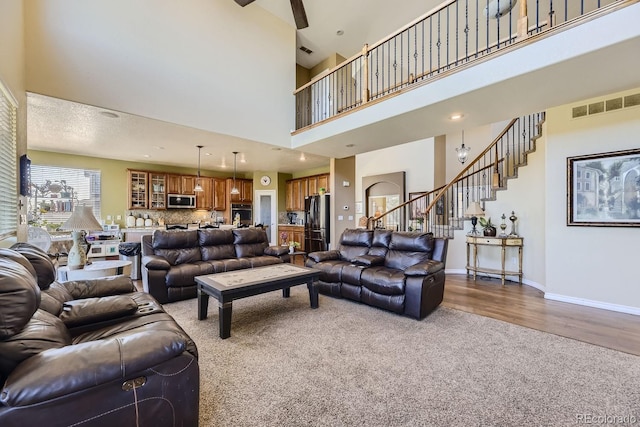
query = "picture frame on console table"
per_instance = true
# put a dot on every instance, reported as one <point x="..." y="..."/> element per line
<point x="603" y="190"/>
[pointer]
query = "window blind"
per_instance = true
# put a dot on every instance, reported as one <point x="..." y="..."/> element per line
<point x="8" y="169"/>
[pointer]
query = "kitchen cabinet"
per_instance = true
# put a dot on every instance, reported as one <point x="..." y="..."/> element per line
<point x="288" y="233"/>
<point x="296" y="191"/>
<point x="138" y="189"/>
<point x="157" y="194"/>
<point x="317" y="182"/>
<point x="204" y="198"/>
<point x="188" y="184"/>
<point x="174" y="184"/>
<point x="219" y="194"/>
<point x="245" y="187"/>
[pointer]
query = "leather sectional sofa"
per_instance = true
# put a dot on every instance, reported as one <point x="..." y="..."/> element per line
<point x="398" y="271"/>
<point x="92" y="352"/>
<point x="171" y="259"/>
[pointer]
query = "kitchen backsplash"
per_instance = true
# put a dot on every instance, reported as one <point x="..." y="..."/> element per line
<point x="176" y="216"/>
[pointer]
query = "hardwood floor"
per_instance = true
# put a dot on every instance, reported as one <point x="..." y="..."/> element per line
<point x="526" y="306"/>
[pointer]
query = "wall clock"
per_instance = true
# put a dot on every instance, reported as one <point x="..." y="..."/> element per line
<point x="265" y="180"/>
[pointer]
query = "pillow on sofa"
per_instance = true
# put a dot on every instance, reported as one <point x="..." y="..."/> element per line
<point x="93" y="310"/>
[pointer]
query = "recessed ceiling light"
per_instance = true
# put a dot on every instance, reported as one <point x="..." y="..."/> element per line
<point x="109" y="114"/>
<point x="302" y="157"/>
<point x="350" y="145"/>
<point x="339" y="32"/>
<point x="157" y="147"/>
<point x="207" y="154"/>
<point x="146" y="156"/>
<point x="456" y="116"/>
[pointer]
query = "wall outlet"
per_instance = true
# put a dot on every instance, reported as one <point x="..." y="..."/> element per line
<point x="119" y="217"/>
<point x="340" y="218"/>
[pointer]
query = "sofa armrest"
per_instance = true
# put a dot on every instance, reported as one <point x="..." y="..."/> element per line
<point x="92" y="310"/>
<point x="424" y="268"/>
<point x="91" y="288"/>
<point x="155" y="262"/>
<point x="324" y="255"/>
<point x="276" y="250"/>
<point x="78" y="367"/>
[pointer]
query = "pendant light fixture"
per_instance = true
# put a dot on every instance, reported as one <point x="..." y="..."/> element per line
<point x="463" y="151"/>
<point x="234" y="190"/>
<point x="198" y="187"/>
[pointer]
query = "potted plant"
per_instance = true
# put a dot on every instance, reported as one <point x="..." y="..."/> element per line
<point x="488" y="229"/>
<point x="292" y="246"/>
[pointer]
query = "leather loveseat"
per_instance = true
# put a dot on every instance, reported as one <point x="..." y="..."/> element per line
<point x="171" y="259"/>
<point x="92" y="352"/>
<point x="398" y="271"/>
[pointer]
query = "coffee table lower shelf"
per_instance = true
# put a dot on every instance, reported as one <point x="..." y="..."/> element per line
<point x="232" y="285"/>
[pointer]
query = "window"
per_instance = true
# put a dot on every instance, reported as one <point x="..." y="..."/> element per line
<point x="587" y="186"/>
<point x="56" y="191"/>
<point x="8" y="169"/>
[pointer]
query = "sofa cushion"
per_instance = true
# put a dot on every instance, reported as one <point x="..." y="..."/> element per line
<point x="394" y="303"/>
<point x="216" y="244"/>
<point x="368" y="260"/>
<point x="45" y="270"/>
<point x="183" y="274"/>
<point x="250" y="242"/>
<point x="19" y="297"/>
<point x="43" y="331"/>
<point x="383" y="280"/>
<point x="331" y="271"/>
<point x="178" y="247"/>
<point x="407" y="249"/>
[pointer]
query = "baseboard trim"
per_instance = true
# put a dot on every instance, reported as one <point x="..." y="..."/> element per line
<point x="527" y="282"/>
<point x="595" y="304"/>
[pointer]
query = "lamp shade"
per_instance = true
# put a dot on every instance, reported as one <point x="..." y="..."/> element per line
<point x="474" y="209"/>
<point x="82" y="219"/>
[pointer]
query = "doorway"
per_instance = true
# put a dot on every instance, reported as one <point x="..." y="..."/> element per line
<point x="265" y="214"/>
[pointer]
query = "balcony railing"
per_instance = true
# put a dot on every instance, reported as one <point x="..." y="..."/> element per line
<point x="453" y="34"/>
<point x="442" y="211"/>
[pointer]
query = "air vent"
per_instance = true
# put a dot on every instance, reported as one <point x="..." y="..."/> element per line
<point x="608" y="105"/>
<point x="306" y="50"/>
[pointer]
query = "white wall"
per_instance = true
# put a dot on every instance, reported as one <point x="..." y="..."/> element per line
<point x="415" y="158"/>
<point x="199" y="63"/>
<point x="590" y="265"/>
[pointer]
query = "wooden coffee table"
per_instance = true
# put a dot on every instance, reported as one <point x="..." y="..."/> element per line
<point x="232" y="285"/>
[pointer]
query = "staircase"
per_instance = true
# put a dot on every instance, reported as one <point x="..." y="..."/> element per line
<point x="443" y="210"/>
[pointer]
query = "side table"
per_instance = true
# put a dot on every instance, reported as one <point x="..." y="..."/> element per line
<point x="295" y="254"/>
<point x="498" y="242"/>
<point x="94" y="270"/>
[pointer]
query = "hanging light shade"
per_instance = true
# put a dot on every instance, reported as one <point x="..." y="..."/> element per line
<point x="198" y="187"/>
<point x="463" y="151"/>
<point x="234" y="189"/>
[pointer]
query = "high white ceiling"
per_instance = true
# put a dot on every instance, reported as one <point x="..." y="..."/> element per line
<point x="69" y="127"/>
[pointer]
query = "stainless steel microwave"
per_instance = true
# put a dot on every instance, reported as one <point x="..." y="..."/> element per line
<point x="187" y="201"/>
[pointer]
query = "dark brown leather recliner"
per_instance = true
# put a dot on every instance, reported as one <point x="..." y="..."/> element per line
<point x="92" y="352"/>
<point x="401" y="272"/>
<point x="172" y="259"/>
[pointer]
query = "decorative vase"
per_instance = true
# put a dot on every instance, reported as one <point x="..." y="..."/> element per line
<point x="490" y="231"/>
<point x="292" y="249"/>
<point x="77" y="257"/>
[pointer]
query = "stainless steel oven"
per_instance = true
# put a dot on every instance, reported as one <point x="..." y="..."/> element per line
<point x="243" y="211"/>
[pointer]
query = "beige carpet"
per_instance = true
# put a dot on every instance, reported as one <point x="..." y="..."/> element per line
<point x="346" y="364"/>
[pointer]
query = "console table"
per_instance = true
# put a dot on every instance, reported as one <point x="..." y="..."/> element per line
<point x="497" y="242"/>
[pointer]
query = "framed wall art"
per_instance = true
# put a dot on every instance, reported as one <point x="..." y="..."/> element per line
<point x="603" y="190"/>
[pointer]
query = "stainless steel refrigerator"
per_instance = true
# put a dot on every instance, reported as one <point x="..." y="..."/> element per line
<point x="317" y="224"/>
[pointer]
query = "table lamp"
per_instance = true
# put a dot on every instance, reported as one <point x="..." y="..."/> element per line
<point x="474" y="211"/>
<point x="80" y="221"/>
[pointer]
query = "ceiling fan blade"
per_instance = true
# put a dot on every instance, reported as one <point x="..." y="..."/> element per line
<point x="243" y="3"/>
<point x="299" y="15"/>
